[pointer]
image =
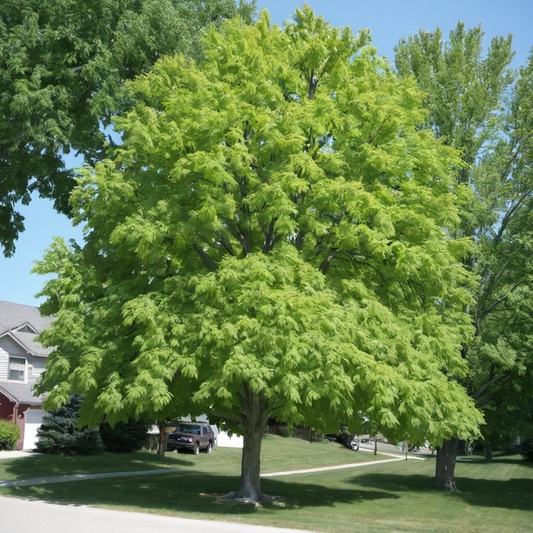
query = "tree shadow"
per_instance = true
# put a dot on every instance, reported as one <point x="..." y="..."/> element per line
<point x="509" y="494"/>
<point x="45" y="465"/>
<point x="502" y="459"/>
<point x="185" y="492"/>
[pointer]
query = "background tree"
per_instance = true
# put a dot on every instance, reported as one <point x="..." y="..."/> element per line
<point x="125" y="437"/>
<point x="473" y="108"/>
<point x="59" y="432"/>
<point x="270" y="240"/>
<point x="63" y="64"/>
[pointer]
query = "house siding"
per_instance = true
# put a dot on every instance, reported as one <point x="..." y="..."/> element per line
<point x="4" y="364"/>
<point x="34" y="365"/>
<point x="19" y="325"/>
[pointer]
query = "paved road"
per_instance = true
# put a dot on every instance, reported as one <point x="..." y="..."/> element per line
<point x="24" y="516"/>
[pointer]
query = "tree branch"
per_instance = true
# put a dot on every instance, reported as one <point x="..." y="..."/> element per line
<point x="205" y="257"/>
<point x="269" y="237"/>
<point x="499" y="301"/>
<point x="488" y="398"/>
<point x="509" y="215"/>
<point x="313" y="83"/>
<point x="485" y="386"/>
<point x="226" y="243"/>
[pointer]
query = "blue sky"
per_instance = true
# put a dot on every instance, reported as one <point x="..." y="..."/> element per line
<point x="389" y="20"/>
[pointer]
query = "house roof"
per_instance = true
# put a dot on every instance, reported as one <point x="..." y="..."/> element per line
<point x="18" y="321"/>
<point x="20" y="392"/>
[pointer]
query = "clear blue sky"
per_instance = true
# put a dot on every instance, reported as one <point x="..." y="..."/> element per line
<point x="389" y="20"/>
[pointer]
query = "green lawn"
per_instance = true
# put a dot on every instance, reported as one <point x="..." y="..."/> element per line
<point x="387" y="497"/>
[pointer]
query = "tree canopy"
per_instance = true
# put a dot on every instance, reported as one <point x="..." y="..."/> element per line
<point x="479" y="105"/>
<point x="273" y="238"/>
<point x="63" y="64"/>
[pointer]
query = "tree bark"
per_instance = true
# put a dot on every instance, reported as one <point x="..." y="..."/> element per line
<point x="463" y="447"/>
<point x="255" y="416"/>
<point x="445" y="467"/>
<point x="162" y="445"/>
<point x="488" y="450"/>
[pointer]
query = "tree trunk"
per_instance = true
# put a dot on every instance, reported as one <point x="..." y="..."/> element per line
<point x="445" y="467"/>
<point x="488" y="450"/>
<point x="463" y="447"/>
<point x="255" y="411"/>
<point x="162" y="445"/>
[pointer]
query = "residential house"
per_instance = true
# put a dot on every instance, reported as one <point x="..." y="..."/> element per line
<point x="22" y="360"/>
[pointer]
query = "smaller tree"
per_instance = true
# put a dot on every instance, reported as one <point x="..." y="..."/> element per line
<point x="9" y="435"/>
<point x="526" y="449"/>
<point x="125" y="437"/>
<point x="59" y="432"/>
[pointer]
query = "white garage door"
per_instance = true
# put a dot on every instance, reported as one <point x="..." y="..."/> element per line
<point x="33" y="422"/>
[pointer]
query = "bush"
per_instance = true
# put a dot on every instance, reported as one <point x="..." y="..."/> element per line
<point x="125" y="437"/>
<point x="59" y="433"/>
<point x="9" y="435"/>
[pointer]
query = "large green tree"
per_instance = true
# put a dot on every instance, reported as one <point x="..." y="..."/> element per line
<point x="63" y="64"/>
<point x="474" y="107"/>
<point x="272" y="239"/>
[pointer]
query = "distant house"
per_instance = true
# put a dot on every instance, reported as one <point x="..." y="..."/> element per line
<point x="22" y="360"/>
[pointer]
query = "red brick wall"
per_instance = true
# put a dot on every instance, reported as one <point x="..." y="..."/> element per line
<point x="6" y="413"/>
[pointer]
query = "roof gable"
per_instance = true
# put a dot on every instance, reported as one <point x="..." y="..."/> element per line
<point x="27" y="328"/>
<point x="13" y="316"/>
<point x="23" y="323"/>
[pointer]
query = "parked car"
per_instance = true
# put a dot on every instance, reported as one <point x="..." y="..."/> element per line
<point x="192" y="436"/>
<point x="344" y="437"/>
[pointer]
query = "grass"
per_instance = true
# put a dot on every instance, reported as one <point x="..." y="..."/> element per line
<point x="391" y="497"/>
<point x="296" y="454"/>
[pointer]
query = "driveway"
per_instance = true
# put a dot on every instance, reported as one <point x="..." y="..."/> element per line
<point x="25" y="516"/>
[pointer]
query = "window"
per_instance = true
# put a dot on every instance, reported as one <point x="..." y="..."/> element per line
<point x="17" y="366"/>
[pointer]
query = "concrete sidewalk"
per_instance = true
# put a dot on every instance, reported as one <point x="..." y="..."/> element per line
<point x="328" y="468"/>
<point x="80" y="477"/>
<point x="13" y="454"/>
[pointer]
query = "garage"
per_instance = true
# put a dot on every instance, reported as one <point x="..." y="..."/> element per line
<point x="32" y="423"/>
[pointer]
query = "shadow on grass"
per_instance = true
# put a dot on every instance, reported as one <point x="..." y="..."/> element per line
<point x="192" y="493"/>
<point x="501" y="460"/>
<point x="507" y="494"/>
<point x="58" y="465"/>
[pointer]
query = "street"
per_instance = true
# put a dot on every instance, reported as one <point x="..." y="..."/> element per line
<point x="25" y="516"/>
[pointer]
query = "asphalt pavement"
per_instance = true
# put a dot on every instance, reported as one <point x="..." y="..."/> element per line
<point x="28" y="516"/>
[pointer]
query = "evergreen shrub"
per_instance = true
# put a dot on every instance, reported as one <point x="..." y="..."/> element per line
<point x="60" y="434"/>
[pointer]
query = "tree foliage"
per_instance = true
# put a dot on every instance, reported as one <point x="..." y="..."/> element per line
<point x="475" y="106"/>
<point x="63" y="66"/>
<point x="125" y="437"/>
<point x="464" y="86"/>
<point x="59" y="432"/>
<point x="9" y="434"/>
<point x="272" y="239"/>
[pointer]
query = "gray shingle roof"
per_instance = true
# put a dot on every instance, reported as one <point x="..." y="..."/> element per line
<point x="20" y="392"/>
<point x="14" y="316"/>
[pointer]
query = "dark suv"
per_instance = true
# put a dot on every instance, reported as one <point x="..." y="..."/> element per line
<point x="193" y="436"/>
